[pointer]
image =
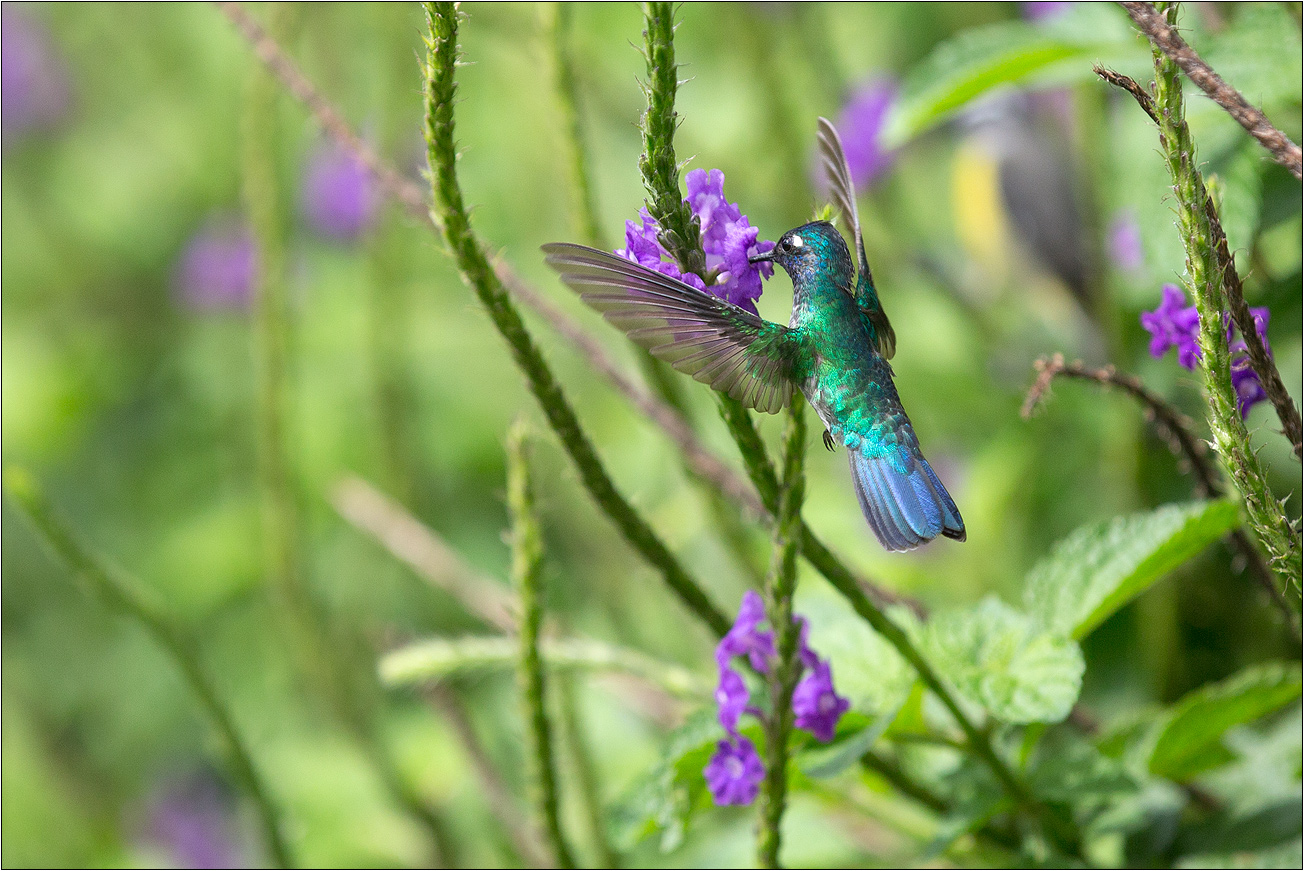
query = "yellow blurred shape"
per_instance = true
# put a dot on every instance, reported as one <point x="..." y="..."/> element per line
<point x="978" y="211"/>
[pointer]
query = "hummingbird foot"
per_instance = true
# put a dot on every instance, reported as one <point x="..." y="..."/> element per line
<point x="828" y="440"/>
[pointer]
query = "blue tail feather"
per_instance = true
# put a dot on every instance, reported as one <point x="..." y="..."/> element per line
<point x="905" y="506"/>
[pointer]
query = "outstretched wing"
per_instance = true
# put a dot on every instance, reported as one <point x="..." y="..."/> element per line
<point x="716" y="342"/>
<point x="843" y="192"/>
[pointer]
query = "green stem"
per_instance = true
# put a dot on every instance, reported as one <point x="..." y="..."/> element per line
<point x="557" y="19"/>
<point x="527" y="570"/>
<point x="126" y="598"/>
<point x="680" y="229"/>
<point x="780" y="585"/>
<point x="1280" y="539"/>
<point x="439" y="658"/>
<point x="268" y="215"/>
<point x="441" y="88"/>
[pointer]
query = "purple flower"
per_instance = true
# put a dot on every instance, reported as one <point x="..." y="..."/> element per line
<point x="816" y="704"/>
<point x="1245" y="380"/>
<point x="218" y="267"/>
<point x="861" y="127"/>
<point x="1249" y="390"/>
<point x="745" y="636"/>
<point x="192" y="819"/>
<point x="33" y="78"/>
<point x="1125" y="243"/>
<point x="735" y="772"/>
<point x="1174" y="324"/>
<point x="728" y="239"/>
<point x="731" y="696"/>
<point x="339" y="195"/>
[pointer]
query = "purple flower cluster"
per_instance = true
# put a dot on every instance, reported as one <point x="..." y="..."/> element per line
<point x="193" y="819"/>
<point x="34" y="78"/>
<point x="218" y="267"/>
<point x="735" y="772"/>
<point x="339" y="195"/>
<point x="728" y="239"/>
<point x="1125" y="247"/>
<point x="1175" y="324"/>
<point x="861" y="128"/>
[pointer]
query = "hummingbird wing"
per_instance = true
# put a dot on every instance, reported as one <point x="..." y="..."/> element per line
<point x="716" y="342"/>
<point x="834" y="160"/>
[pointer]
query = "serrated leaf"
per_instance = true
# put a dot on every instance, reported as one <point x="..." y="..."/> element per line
<point x="1004" y="661"/>
<point x="1189" y="742"/>
<point x="1099" y="568"/>
<point x="976" y="61"/>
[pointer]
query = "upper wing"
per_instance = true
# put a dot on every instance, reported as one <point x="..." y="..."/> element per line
<point x="716" y="342"/>
<point x="844" y="198"/>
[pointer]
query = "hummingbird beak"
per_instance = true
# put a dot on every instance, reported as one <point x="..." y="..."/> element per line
<point x="768" y="256"/>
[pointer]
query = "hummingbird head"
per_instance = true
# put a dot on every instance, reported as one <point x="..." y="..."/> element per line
<point x="809" y="250"/>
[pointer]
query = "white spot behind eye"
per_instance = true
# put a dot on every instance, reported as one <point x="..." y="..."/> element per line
<point x="796" y="242"/>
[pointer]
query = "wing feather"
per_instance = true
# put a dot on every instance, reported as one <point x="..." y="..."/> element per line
<point x="843" y="193"/>
<point x="716" y="342"/>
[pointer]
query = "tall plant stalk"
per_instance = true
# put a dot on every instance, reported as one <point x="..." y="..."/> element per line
<point x="1280" y="539"/>
<point x="527" y="578"/>
<point x="780" y="585"/>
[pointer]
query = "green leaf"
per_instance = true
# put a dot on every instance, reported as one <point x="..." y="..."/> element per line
<point x="976" y="61"/>
<point x="1004" y="661"/>
<point x="1069" y="770"/>
<point x="1191" y="740"/>
<point x="1099" y="568"/>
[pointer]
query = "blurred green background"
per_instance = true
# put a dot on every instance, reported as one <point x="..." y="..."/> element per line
<point x="136" y="405"/>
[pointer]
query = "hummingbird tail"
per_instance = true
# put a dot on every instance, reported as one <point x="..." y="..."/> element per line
<point x="906" y="506"/>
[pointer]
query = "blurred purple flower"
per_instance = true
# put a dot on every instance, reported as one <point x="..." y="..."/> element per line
<point x="735" y="772"/>
<point x="861" y="128"/>
<point x="728" y="239"/>
<point x="218" y="268"/>
<point x="33" y="76"/>
<point x="1043" y="10"/>
<point x="1174" y="324"/>
<point x="339" y="194"/>
<point x="1125" y="242"/>
<point x="192" y="819"/>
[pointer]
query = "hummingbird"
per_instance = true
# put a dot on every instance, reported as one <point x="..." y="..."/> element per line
<point x="835" y="349"/>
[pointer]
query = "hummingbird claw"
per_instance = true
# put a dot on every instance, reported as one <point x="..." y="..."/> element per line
<point x="828" y="440"/>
